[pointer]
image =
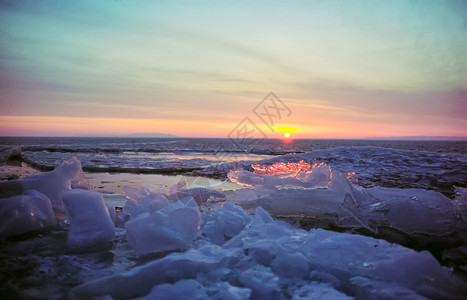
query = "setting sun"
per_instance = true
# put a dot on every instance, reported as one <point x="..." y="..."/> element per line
<point x="286" y="130"/>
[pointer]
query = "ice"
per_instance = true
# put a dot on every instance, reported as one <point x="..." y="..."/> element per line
<point x="291" y="265"/>
<point x="225" y="291"/>
<point x="413" y="211"/>
<point x="141" y="201"/>
<point x="201" y="195"/>
<point x="436" y="169"/>
<point x="318" y="291"/>
<point x="180" y="290"/>
<point x="318" y="177"/>
<point x="334" y="204"/>
<point x="24" y="213"/>
<point x="139" y="281"/>
<point x="52" y="184"/>
<point x="460" y="202"/>
<point x="262" y="281"/>
<point x="172" y="227"/>
<point x="114" y="161"/>
<point x="223" y="222"/>
<point x="159" y="223"/>
<point x="427" y="165"/>
<point x="201" y="243"/>
<point x="90" y="223"/>
<point x="375" y="289"/>
<point x="192" y="289"/>
<point x="418" y="218"/>
<point x="274" y="260"/>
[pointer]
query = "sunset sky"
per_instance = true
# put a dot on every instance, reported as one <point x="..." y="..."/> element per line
<point x="345" y="69"/>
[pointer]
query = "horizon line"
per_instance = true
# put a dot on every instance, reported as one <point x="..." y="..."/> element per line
<point x="388" y="138"/>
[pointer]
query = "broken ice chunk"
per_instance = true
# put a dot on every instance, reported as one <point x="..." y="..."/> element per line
<point x="172" y="227"/>
<point x="91" y="226"/>
<point x="223" y="222"/>
<point x="54" y="183"/>
<point x="24" y="213"/>
<point x="182" y="289"/>
<point x="274" y="260"/>
<point x="139" y="281"/>
<point x="284" y="175"/>
<point x="262" y="281"/>
<point x="319" y="291"/>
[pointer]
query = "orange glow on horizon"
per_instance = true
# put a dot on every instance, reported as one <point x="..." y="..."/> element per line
<point x="314" y="129"/>
<point x="75" y="126"/>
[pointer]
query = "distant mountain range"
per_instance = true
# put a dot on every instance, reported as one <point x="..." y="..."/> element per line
<point x="418" y="138"/>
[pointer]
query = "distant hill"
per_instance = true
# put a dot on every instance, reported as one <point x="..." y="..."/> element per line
<point x="418" y="138"/>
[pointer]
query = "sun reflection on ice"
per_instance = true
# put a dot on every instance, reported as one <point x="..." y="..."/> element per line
<point x="302" y="174"/>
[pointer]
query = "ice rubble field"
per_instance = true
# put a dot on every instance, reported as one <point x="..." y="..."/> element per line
<point x="375" y="166"/>
<point x="200" y="243"/>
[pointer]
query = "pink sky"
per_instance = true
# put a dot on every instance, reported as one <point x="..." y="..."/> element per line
<point x="344" y="69"/>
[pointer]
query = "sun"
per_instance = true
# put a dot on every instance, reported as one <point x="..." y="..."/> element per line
<point x="287" y="131"/>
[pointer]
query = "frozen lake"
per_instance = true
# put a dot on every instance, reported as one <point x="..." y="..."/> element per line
<point x="176" y="217"/>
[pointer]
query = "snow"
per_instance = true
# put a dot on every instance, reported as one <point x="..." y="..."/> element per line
<point x="90" y="223"/>
<point x="24" y="213"/>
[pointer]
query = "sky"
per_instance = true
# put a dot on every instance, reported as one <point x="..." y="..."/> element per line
<point x="342" y="69"/>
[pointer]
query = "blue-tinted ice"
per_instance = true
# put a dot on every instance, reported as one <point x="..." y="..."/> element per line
<point x="199" y="243"/>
